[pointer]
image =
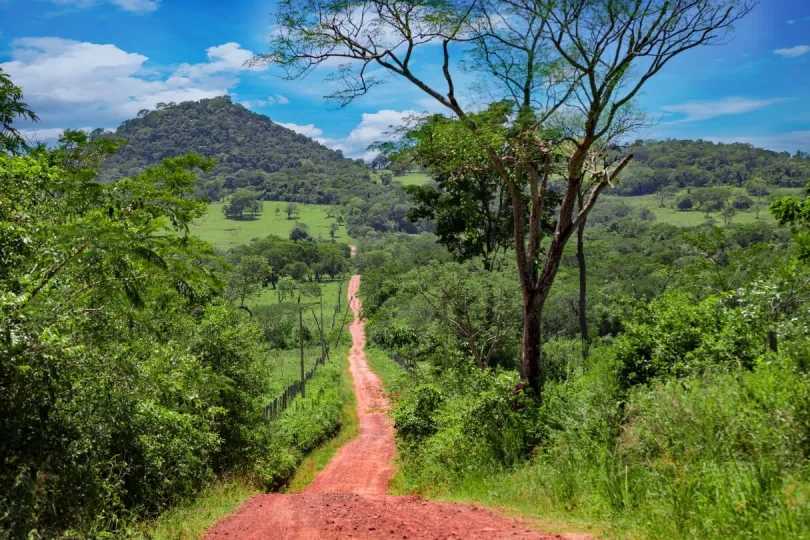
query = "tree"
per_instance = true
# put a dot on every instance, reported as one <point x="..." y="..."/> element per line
<point x="247" y="279"/>
<point x="386" y="177"/>
<point x="291" y="209"/>
<point x="728" y="214"/>
<point x="286" y="287"/>
<point x="469" y="206"/>
<point x="11" y="108"/>
<point x="300" y="232"/>
<point x="333" y="229"/>
<point x="665" y="192"/>
<point x="243" y="200"/>
<point x="567" y="72"/>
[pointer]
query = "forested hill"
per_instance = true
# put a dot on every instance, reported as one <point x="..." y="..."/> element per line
<point x="250" y="151"/>
<point x="687" y="163"/>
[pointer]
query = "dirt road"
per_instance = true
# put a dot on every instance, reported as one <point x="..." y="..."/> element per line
<point x="347" y="499"/>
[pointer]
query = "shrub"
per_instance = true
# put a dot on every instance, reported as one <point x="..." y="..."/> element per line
<point x="684" y="204"/>
<point x="676" y="336"/>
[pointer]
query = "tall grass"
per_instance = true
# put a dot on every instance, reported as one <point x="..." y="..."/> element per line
<point x="722" y="455"/>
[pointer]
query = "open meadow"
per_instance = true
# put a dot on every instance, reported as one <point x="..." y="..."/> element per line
<point x="224" y="233"/>
<point x="695" y="217"/>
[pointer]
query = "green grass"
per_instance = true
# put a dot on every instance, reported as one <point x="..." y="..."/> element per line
<point x="506" y="493"/>
<point x="411" y="178"/>
<point x="224" y="233"/>
<point x="693" y="218"/>
<point x="386" y="369"/>
<point x="190" y="521"/>
<point x="285" y="364"/>
<point x="349" y="429"/>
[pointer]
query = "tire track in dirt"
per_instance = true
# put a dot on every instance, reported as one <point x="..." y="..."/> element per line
<point x="347" y="499"/>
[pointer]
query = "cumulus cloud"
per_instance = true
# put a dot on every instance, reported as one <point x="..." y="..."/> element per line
<point x="694" y="111"/>
<point x="134" y="6"/>
<point x="372" y="128"/>
<point x="66" y="81"/>
<point x="793" y="52"/>
<point x="308" y="130"/>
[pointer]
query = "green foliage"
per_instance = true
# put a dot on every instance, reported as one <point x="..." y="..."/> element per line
<point x="302" y="427"/>
<point x="12" y="108"/>
<point x="683" y="163"/>
<point x="242" y="200"/>
<point x="673" y="335"/>
<point x="125" y="384"/>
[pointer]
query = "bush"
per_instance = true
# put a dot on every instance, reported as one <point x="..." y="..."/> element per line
<point x="300" y="428"/>
<point x="676" y="336"/>
<point x="684" y="204"/>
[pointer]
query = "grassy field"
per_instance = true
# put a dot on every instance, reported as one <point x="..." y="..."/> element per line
<point x="412" y="178"/>
<point x="224" y="233"/>
<point x="693" y="218"/>
<point x="285" y="364"/>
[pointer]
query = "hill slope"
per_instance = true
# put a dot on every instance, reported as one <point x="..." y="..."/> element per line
<point x="250" y="151"/>
<point x="686" y="163"/>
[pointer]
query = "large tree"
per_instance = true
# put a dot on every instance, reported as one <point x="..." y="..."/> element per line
<point x="568" y="69"/>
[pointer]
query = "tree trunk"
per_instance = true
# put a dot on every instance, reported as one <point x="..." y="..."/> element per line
<point x="531" y="362"/>
<point x="583" y="289"/>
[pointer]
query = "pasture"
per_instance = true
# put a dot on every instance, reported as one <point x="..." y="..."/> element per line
<point x="224" y="233"/>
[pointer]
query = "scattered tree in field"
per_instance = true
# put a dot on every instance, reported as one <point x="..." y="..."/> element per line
<point x="333" y="229"/>
<point x="664" y="193"/>
<point x="646" y="214"/>
<point x="297" y="270"/>
<point x="386" y="177"/>
<point x="243" y="200"/>
<point x="278" y="210"/>
<point x="286" y="288"/>
<point x="291" y="209"/>
<point x="247" y="279"/>
<point x="567" y="72"/>
<point x="310" y="289"/>
<point x="728" y="214"/>
<point x="684" y="204"/>
<point x="300" y="232"/>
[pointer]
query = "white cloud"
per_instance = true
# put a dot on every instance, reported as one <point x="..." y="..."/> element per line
<point x="780" y="142"/>
<point x="134" y="6"/>
<point x="373" y="127"/>
<point x="277" y="99"/>
<point x="308" y="130"/>
<point x="793" y="52"/>
<point x="43" y="135"/>
<point x="67" y="81"/>
<point x="703" y="110"/>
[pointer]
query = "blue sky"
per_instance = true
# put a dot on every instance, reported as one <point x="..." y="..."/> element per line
<point x="95" y="63"/>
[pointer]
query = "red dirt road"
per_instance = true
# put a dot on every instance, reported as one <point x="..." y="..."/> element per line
<point x="347" y="499"/>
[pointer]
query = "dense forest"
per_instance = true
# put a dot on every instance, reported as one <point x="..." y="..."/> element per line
<point x="678" y="164"/>
<point x="250" y="151"/>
